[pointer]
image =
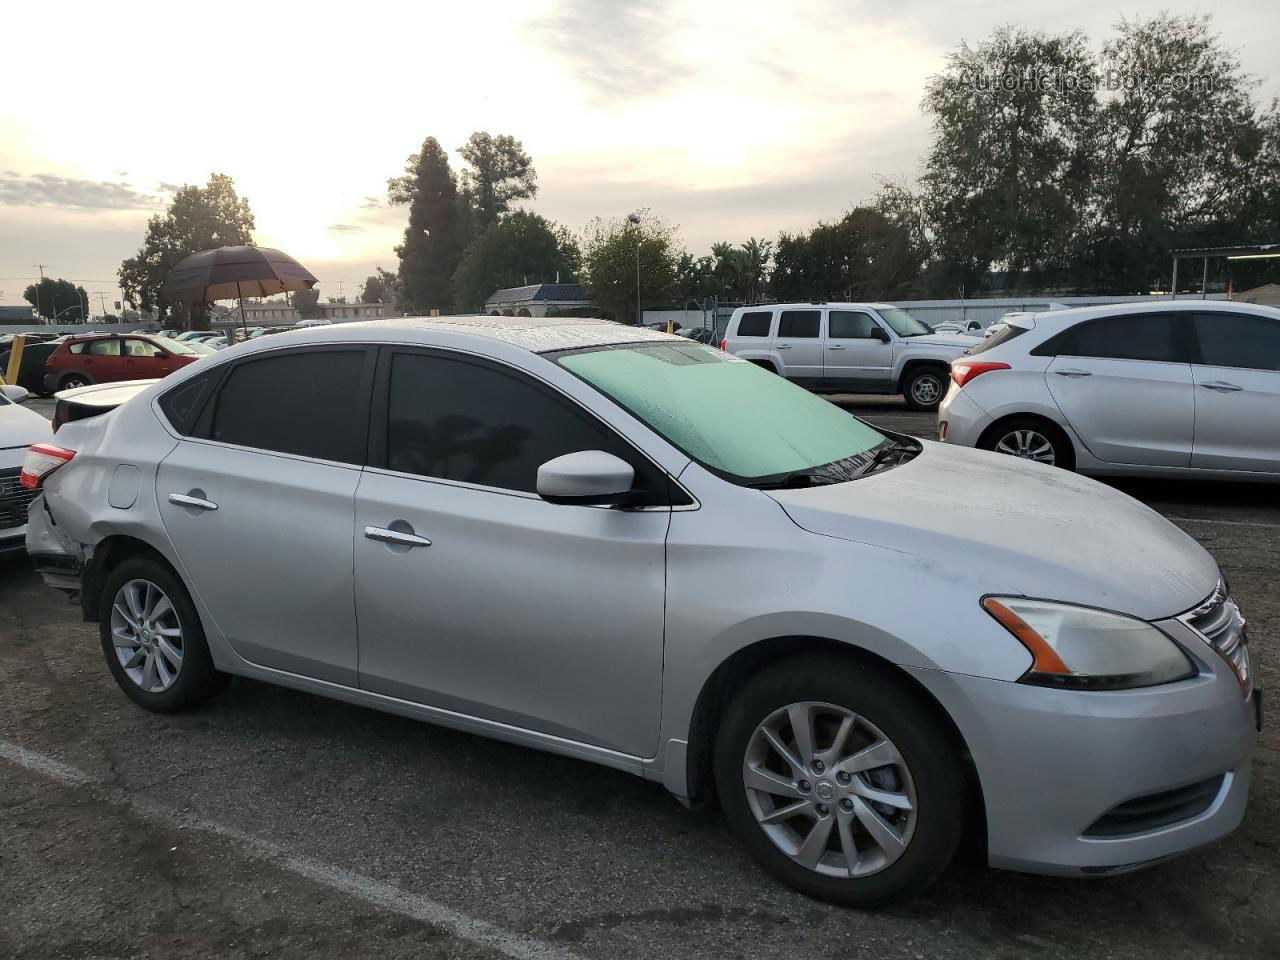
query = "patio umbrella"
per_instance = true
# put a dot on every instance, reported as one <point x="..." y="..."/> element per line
<point x="227" y="272"/>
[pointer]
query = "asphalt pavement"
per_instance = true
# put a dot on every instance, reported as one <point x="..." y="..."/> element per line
<point x="273" y="823"/>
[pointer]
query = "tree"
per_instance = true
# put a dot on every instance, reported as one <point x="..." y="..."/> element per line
<point x="59" y="301"/>
<point x="1185" y="158"/>
<point x="432" y="243"/>
<point x="520" y="248"/>
<point x="500" y="173"/>
<point x="609" y="250"/>
<point x="1008" y="178"/>
<point x="864" y="256"/>
<point x="379" y="287"/>
<point x="199" y="218"/>
<point x="307" y="303"/>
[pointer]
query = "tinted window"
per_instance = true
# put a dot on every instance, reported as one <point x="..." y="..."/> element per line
<point x="848" y="325"/>
<point x="1003" y="335"/>
<point x="801" y="324"/>
<point x="755" y="324"/>
<point x="183" y="402"/>
<point x="463" y="421"/>
<point x="1237" y="340"/>
<point x="307" y="403"/>
<point x="104" y="348"/>
<point x="1140" y="336"/>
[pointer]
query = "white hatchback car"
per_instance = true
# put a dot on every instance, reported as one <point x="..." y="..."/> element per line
<point x="1181" y="387"/>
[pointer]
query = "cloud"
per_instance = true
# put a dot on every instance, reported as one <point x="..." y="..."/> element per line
<point x="164" y="187"/>
<point x="618" y="49"/>
<point x="371" y="203"/>
<point x="48" y="190"/>
<point x="344" y="228"/>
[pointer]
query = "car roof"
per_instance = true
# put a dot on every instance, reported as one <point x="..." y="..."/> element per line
<point x="809" y="304"/>
<point x="1060" y="319"/>
<point x="533" y="334"/>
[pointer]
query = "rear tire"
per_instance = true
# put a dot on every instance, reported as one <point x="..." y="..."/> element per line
<point x="153" y="640"/>
<point x="1030" y="438"/>
<point x="73" y="380"/>
<point x="902" y="841"/>
<point x="925" y="387"/>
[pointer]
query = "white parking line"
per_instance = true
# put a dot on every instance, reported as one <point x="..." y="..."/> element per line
<point x="384" y="896"/>
<point x="1228" y="523"/>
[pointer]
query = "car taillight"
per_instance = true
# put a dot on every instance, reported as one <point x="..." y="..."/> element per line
<point x="962" y="371"/>
<point x="722" y="344"/>
<point x="42" y="460"/>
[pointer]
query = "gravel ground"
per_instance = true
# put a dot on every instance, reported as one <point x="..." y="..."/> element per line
<point x="275" y="823"/>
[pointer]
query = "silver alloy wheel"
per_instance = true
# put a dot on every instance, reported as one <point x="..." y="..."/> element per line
<point x="147" y="635"/>
<point x="1027" y="444"/>
<point x="926" y="390"/>
<point x="830" y="789"/>
<point x="71" y="383"/>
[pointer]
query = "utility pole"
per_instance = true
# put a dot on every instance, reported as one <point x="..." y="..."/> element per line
<point x="40" y="267"/>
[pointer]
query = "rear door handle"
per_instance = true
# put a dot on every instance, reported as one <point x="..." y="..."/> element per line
<point x="1074" y="373"/>
<point x="1221" y="386"/>
<point x="835" y="346"/>
<point x="784" y="346"/>
<point x="199" y="503"/>
<point x="385" y="535"/>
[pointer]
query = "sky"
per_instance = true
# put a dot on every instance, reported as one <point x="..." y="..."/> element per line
<point x="730" y="118"/>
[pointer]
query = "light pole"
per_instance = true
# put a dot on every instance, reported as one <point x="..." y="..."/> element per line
<point x="634" y="219"/>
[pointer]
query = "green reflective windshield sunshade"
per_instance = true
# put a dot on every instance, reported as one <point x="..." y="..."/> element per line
<point x="724" y="412"/>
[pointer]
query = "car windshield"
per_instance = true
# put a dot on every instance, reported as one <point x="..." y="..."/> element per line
<point x="175" y="346"/>
<point x="903" y="323"/>
<point x="738" y="420"/>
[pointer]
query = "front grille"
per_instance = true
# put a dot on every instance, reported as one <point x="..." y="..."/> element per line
<point x="14" y="499"/>
<point x="1218" y="620"/>
<point x="1156" y="810"/>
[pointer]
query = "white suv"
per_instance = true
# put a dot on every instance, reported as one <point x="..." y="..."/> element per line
<point x="847" y="348"/>
<point x="1156" y="388"/>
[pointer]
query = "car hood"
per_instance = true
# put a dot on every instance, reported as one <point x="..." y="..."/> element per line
<point x="1006" y="525"/>
<point x="961" y="341"/>
<point x="20" y="427"/>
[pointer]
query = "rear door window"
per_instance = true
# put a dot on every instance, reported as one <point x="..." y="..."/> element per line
<point x="799" y="324"/>
<point x="1136" y="336"/>
<point x="104" y="348"/>
<point x="755" y="324"/>
<point x="1238" y="340"/>
<point x="312" y="403"/>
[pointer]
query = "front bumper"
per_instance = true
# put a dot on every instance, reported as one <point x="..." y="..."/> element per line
<point x="1054" y="764"/>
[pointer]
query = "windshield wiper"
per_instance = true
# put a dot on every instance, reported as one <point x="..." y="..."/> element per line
<point x="790" y="481"/>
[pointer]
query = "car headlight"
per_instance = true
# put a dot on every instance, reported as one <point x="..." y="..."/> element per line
<point x="1086" y="649"/>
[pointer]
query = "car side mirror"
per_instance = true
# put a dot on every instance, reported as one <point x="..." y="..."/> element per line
<point x="588" y="477"/>
<point x="880" y="333"/>
<point x="14" y="393"/>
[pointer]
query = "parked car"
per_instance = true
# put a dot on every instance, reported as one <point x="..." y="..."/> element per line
<point x="847" y="348"/>
<point x="79" y="361"/>
<point x="971" y="328"/>
<point x="1173" y="388"/>
<point x="196" y="335"/>
<point x="553" y="532"/>
<point x="202" y="347"/>
<point x="31" y="367"/>
<point x="19" y="429"/>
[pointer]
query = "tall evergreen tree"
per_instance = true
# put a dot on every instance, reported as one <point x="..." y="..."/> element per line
<point x="499" y="173"/>
<point x="433" y="240"/>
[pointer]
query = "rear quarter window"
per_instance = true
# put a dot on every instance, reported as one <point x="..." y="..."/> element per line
<point x="755" y="323"/>
<point x="1000" y="336"/>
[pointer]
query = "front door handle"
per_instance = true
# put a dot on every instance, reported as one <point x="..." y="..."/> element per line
<point x="835" y="346"/>
<point x="784" y="346"/>
<point x="1221" y="386"/>
<point x="1074" y="373"/>
<point x="199" y="503"/>
<point x="386" y="535"/>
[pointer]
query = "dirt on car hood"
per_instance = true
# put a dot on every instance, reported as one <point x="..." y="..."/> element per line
<point x="1011" y="526"/>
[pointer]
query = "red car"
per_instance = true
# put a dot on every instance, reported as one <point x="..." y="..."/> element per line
<point x="79" y="361"/>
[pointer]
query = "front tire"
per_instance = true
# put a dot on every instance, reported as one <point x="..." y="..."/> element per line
<point x="152" y="638"/>
<point x="924" y="388"/>
<point x="840" y="780"/>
